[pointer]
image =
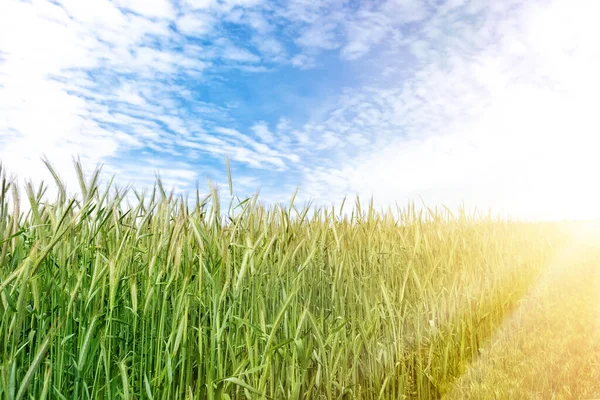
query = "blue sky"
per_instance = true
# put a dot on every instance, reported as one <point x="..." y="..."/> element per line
<point x="484" y="102"/>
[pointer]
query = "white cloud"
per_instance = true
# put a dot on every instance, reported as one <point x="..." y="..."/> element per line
<point x="283" y="125"/>
<point x="195" y="24"/>
<point x="484" y="102"/>
<point x="303" y="61"/>
<point x="232" y="52"/>
<point x="370" y="27"/>
<point x="243" y="148"/>
<point x="320" y="36"/>
<point x="262" y="131"/>
<point x="50" y="105"/>
<point x="258" y="22"/>
<point x="62" y="88"/>
<point x="506" y="122"/>
<point x="403" y="11"/>
<point x="328" y="140"/>
<point x="199" y="4"/>
<point x="149" y="8"/>
<point x="365" y="33"/>
<point x="271" y="47"/>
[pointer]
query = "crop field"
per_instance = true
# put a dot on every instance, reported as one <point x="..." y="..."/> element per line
<point x="115" y="294"/>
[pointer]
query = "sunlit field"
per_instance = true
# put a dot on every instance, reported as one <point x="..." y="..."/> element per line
<point x="122" y="294"/>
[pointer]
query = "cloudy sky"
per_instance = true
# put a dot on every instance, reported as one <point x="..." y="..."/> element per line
<point x="490" y="103"/>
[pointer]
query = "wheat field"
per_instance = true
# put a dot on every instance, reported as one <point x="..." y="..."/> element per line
<point x="121" y="294"/>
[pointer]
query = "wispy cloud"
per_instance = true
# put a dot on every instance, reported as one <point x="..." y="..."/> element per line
<point x="493" y="113"/>
<point x="461" y="100"/>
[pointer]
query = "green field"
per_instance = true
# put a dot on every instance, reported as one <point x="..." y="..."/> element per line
<point x="120" y="294"/>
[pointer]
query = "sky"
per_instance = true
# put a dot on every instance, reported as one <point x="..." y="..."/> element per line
<point x="484" y="103"/>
